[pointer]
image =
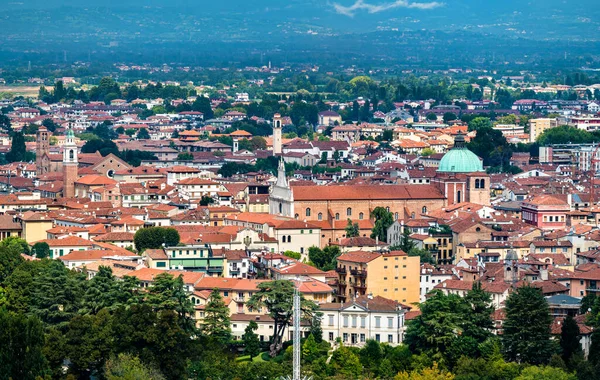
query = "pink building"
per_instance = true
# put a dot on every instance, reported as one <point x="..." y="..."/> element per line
<point x="546" y="212"/>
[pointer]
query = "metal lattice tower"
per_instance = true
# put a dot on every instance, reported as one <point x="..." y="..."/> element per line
<point x="296" y="374"/>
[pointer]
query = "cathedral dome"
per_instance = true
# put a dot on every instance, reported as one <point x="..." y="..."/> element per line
<point x="460" y="159"/>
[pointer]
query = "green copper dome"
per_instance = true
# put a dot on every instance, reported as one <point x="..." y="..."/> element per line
<point x="70" y="134"/>
<point x="460" y="159"/>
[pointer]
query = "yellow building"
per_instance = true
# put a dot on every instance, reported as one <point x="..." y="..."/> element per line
<point x="393" y="275"/>
<point x="538" y="126"/>
<point x="35" y="225"/>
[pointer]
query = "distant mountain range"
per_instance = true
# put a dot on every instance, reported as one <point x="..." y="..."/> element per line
<point x="339" y="31"/>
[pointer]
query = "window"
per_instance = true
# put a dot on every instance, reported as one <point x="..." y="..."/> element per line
<point x="482" y="184"/>
<point x="308" y="212"/>
<point x="363" y="322"/>
<point x="330" y="336"/>
<point x="348" y="211"/>
<point x="424" y="210"/>
<point x="412" y="215"/>
<point x="345" y="319"/>
<point x="396" y="216"/>
<point x="330" y="320"/>
<point x="361" y="216"/>
<point x="337" y="216"/>
<point x="354" y="320"/>
<point x="377" y="322"/>
<point x="377" y="338"/>
<point x="390" y="323"/>
<point x="320" y="216"/>
<point x="289" y="239"/>
<point x="390" y="338"/>
<point x="477" y="183"/>
<point x="362" y="338"/>
<point x="345" y="337"/>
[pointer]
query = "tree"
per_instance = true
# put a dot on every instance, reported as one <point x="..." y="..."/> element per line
<point x="352" y="230"/>
<point x="16" y="243"/>
<point x="545" y="373"/>
<point x="424" y="255"/>
<point x="439" y="324"/>
<point x="478" y="323"/>
<point x="129" y="367"/>
<point x="383" y="220"/>
<point x="41" y="250"/>
<point x="206" y="200"/>
<point x="21" y="347"/>
<point x="202" y="104"/>
<point x="569" y="339"/>
<point x="427" y="152"/>
<point x="103" y="292"/>
<point x="143" y="134"/>
<point x="431" y="116"/>
<point x="324" y="259"/>
<point x="449" y="116"/>
<point x="216" y="319"/>
<point x="345" y="363"/>
<point x="105" y="147"/>
<point x="10" y="259"/>
<point x="251" y="341"/>
<point x="277" y="297"/>
<point x="526" y="330"/>
<point x="492" y="147"/>
<point x="433" y="373"/>
<point x="406" y="243"/>
<point x="155" y="237"/>
<point x="258" y="143"/>
<point x="293" y="255"/>
<point x="18" y="151"/>
<point x="185" y="156"/>
<point x="168" y="293"/>
<point x="479" y="123"/>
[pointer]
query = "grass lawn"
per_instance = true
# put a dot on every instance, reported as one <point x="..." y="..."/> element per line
<point x="246" y="358"/>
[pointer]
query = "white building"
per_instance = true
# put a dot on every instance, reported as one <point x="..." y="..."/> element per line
<point x="364" y="318"/>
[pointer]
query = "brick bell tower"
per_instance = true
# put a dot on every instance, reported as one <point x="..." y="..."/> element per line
<point x="42" y="157"/>
<point x="69" y="165"/>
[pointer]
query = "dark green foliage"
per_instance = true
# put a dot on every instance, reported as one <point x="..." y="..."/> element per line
<point x="251" y="341"/>
<point x="143" y="134"/>
<point x="135" y="157"/>
<point x="185" y="156"/>
<point x="566" y="134"/>
<point x="569" y="339"/>
<point x="21" y="343"/>
<point x="216" y="319"/>
<point x="492" y="147"/>
<point x="383" y="220"/>
<point x="202" y="104"/>
<point x="352" y="229"/>
<point x="41" y="250"/>
<point x="277" y="297"/>
<point x="18" y="152"/>
<point x="155" y="237"/>
<point x="206" y="200"/>
<point x="526" y="330"/>
<point x="167" y="293"/>
<point x="105" y="147"/>
<point x="324" y="259"/>
<point x="10" y="259"/>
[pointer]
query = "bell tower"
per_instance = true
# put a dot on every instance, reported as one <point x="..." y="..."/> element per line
<point x="281" y="197"/>
<point x="69" y="165"/>
<point x="277" y="125"/>
<point x="42" y="158"/>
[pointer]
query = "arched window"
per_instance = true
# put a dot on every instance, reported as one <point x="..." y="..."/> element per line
<point x="71" y="155"/>
<point x="337" y="216"/>
<point x="458" y="197"/>
<point x="320" y="216"/>
<point x="396" y="216"/>
<point x="308" y="212"/>
<point x="424" y="210"/>
<point x="296" y="216"/>
<point x="289" y="239"/>
<point x="280" y="208"/>
<point x="283" y="239"/>
<point x="361" y="216"/>
<point x="348" y="211"/>
<point x="412" y="215"/>
<point x="477" y="183"/>
<point x="482" y="184"/>
<point x="387" y="209"/>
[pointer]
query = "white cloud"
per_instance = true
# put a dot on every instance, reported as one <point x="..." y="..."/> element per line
<point x="376" y="8"/>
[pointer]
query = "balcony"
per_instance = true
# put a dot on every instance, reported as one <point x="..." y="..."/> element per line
<point x="240" y="299"/>
<point x="341" y="270"/>
<point x="358" y="272"/>
<point x="215" y="269"/>
<point x="593" y="289"/>
<point x="360" y="286"/>
<point x="234" y="270"/>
